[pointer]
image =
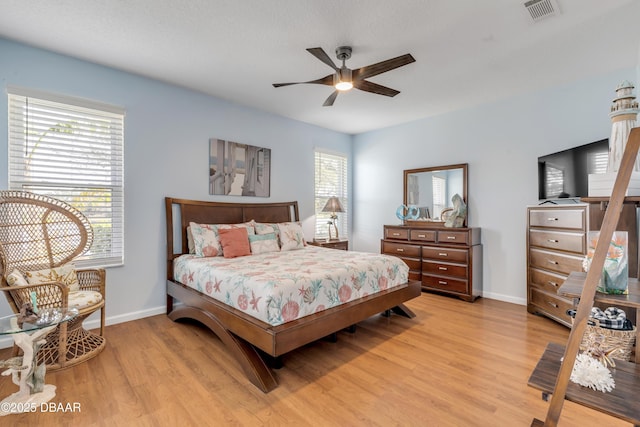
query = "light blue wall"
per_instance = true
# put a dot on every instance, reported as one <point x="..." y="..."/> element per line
<point x="501" y="143"/>
<point x="167" y="130"/>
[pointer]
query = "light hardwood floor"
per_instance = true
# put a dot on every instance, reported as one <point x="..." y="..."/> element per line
<point x="455" y="364"/>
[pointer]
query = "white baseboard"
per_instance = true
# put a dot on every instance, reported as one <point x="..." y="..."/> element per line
<point x="505" y="298"/>
<point x="93" y="321"/>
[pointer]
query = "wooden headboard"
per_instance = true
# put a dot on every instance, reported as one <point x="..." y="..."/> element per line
<point x="203" y="212"/>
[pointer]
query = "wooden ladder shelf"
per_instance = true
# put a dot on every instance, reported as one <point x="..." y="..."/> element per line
<point x="593" y="276"/>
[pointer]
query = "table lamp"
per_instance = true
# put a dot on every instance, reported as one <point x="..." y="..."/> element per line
<point x="333" y="205"/>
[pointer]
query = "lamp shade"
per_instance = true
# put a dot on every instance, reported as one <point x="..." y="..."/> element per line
<point x="333" y="205"/>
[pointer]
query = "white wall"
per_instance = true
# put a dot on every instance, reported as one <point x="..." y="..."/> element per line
<point x="167" y="131"/>
<point x="501" y="143"/>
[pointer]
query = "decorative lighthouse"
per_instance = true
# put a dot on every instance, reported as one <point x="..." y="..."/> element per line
<point x="624" y="111"/>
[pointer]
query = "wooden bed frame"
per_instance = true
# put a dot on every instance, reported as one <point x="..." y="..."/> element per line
<point x="242" y="334"/>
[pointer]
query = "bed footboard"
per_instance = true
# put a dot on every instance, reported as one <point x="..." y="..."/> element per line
<point x="243" y="335"/>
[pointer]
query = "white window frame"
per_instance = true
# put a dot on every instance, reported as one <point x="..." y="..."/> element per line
<point x="72" y="149"/>
<point x="329" y="182"/>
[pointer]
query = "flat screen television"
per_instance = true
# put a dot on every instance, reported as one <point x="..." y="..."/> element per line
<point x="565" y="174"/>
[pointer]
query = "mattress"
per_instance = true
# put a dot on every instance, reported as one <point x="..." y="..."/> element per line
<point x="278" y="287"/>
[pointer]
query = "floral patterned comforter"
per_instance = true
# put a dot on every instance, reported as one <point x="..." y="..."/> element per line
<point x="278" y="287"/>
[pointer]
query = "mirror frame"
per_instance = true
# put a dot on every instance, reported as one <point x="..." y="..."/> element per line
<point x="463" y="166"/>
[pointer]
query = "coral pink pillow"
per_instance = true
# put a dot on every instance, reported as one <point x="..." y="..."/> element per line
<point x="235" y="242"/>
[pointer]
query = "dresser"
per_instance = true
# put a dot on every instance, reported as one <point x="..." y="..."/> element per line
<point x="556" y="245"/>
<point x="446" y="260"/>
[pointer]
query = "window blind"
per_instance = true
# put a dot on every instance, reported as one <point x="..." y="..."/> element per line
<point x="330" y="180"/>
<point x="72" y="152"/>
<point x="439" y="198"/>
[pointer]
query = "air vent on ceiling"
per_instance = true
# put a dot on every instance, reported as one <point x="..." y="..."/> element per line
<point x="540" y="9"/>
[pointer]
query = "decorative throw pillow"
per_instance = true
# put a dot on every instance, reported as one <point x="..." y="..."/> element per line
<point x="190" y="244"/>
<point x="16" y="278"/>
<point x="84" y="299"/>
<point x="235" y="242"/>
<point x="262" y="243"/>
<point x="262" y="228"/>
<point x="291" y="236"/>
<point x="65" y="274"/>
<point x="205" y="240"/>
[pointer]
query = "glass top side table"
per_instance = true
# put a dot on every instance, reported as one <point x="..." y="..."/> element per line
<point x="24" y="371"/>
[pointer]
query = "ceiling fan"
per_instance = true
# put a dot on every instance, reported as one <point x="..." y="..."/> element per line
<point x="345" y="79"/>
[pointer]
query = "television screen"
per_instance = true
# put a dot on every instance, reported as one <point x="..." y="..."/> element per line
<point x="565" y="174"/>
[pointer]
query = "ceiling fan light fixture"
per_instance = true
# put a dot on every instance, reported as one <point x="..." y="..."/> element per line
<point x="342" y="80"/>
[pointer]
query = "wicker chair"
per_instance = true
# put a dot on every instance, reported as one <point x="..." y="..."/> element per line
<point x="39" y="232"/>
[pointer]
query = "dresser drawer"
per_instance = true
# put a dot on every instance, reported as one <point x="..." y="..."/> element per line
<point x="396" y="233"/>
<point x="546" y="280"/>
<point x="445" y="254"/>
<point x="552" y="218"/>
<point x="461" y="237"/>
<point x="445" y="269"/>
<point x="444" y="283"/>
<point x="555" y="261"/>
<point x="401" y="250"/>
<point x="554" y="305"/>
<point x="423" y="235"/>
<point x="558" y="240"/>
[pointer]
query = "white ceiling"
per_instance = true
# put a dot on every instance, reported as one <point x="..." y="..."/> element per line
<point x="467" y="52"/>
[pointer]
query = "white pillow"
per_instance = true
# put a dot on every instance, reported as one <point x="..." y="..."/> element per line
<point x="65" y="274"/>
<point x="262" y="243"/>
<point x="16" y="278"/>
<point x="205" y="240"/>
<point x="291" y="236"/>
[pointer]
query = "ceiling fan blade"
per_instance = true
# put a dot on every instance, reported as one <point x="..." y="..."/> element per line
<point x="382" y="67"/>
<point x="374" y="88"/>
<point x="326" y="80"/>
<point x="330" y="99"/>
<point x="319" y="53"/>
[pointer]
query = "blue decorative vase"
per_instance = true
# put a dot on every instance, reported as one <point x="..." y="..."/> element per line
<point x="412" y="212"/>
<point x="401" y="213"/>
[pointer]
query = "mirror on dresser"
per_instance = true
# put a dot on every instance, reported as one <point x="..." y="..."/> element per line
<point x="431" y="189"/>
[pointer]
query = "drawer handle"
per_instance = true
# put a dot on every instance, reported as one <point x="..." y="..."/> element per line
<point x="395" y="234"/>
<point x="442" y="282"/>
<point x="451" y="237"/>
<point x="552" y="219"/>
<point x="554" y="305"/>
<point x="442" y="254"/>
<point x="400" y="250"/>
<point x="552" y="240"/>
<point x="443" y="268"/>
<point x="552" y="283"/>
<point x="422" y="235"/>
<point x="552" y="261"/>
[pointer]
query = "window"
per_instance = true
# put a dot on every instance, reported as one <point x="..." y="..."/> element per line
<point x="330" y="180"/>
<point x="72" y="150"/>
<point x="554" y="180"/>
<point x="439" y="199"/>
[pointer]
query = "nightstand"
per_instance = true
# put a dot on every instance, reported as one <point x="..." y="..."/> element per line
<point x="342" y="244"/>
